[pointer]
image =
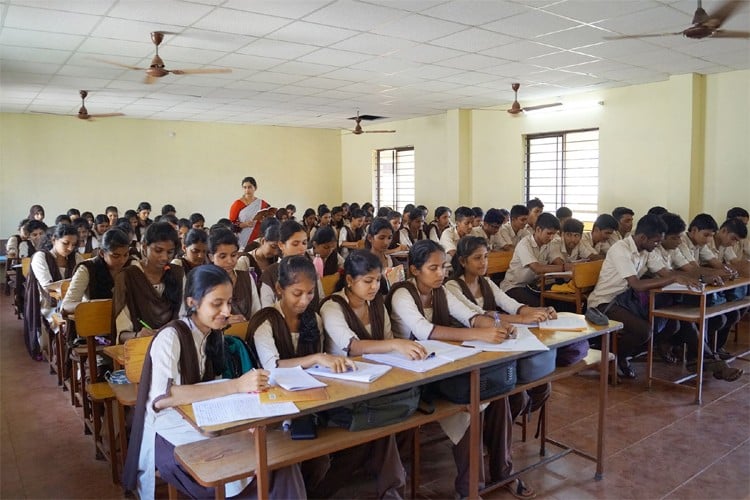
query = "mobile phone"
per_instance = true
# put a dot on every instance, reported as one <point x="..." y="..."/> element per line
<point x="304" y="428"/>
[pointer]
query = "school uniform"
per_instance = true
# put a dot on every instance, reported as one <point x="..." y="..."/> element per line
<point x="616" y="236"/>
<point x="519" y="273"/>
<point x="268" y="281"/>
<point x="506" y="235"/>
<point x="349" y="235"/>
<point x="434" y="232"/>
<point x="726" y="255"/>
<point x="558" y="250"/>
<point x="493" y="242"/>
<point x="406" y="239"/>
<point x="622" y="261"/>
<point x="693" y="253"/>
<point x="91" y="281"/>
<point x="339" y="335"/>
<point x="89" y="246"/>
<point x="502" y="299"/>
<point x="587" y="240"/>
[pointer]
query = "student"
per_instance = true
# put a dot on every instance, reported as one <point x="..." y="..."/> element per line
<point x="324" y="246"/>
<point x="101" y="225"/>
<point x="478" y="216"/>
<point x="35" y="232"/>
<point x="171" y="219"/>
<point x="464" y="223"/>
<point x="183" y="353"/>
<point x="512" y="232"/>
<point x="243" y="211"/>
<point x="95" y="278"/>
<point x="89" y="218"/>
<point x="74" y="214"/>
<point x="267" y="253"/>
<point x="657" y="210"/>
<point x="490" y="228"/>
<point x="11" y="244"/>
<point x="63" y="219"/>
<point x="290" y="211"/>
<point x="112" y="214"/>
<point x="168" y="210"/>
<point x="662" y="262"/>
<point x="441" y="222"/>
<point x="406" y="214"/>
<point x="197" y="221"/>
<point x="532" y="258"/>
<point x="624" y="217"/>
<point x="730" y="233"/>
<point x="394" y="218"/>
<point x="337" y="219"/>
<point x="309" y="221"/>
<point x="598" y="239"/>
<point x="36" y="212"/>
<point x="292" y="241"/>
<point x="324" y="218"/>
<point x="413" y="229"/>
<point x="143" y="211"/>
<point x="352" y="236"/>
<point x="622" y="271"/>
<point x="282" y="215"/>
<point x="569" y="248"/>
<point x="47" y="267"/>
<point x="195" y="248"/>
<point x="563" y="214"/>
<point x="379" y="236"/>
<point x="421" y="309"/>
<point x="86" y="242"/>
<point x="223" y="251"/>
<point x="741" y="249"/>
<point x="148" y="293"/>
<point x="536" y="207"/>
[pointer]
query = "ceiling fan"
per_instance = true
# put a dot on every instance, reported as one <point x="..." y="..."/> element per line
<point x="83" y="113"/>
<point x="157" y="69"/>
<point x="516" y="108"/>
<point x="704" y="26"/>
<point x="358" y="128"/>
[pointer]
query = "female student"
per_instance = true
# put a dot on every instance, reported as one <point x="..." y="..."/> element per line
<point x="183" y="353"/>
<point x="324" y="246"/>
<point x="422" y="309"/>
<point x="86" y="242"/>
<point x="47" y="267"/>
<point x="36" y="212"/>
<point x="95" y="278"/>
<point x="195" y="247"/>
<point x="351" y="237"/>
<point x="441" y="223"/>
<point x="309" y="221"/>
<point x="142" y="213"/>
<point x="267" y="253"/>
<point x="243" y="211"/>
<point x="100" y="226"/>
<point x="292" y="241"/>
<point x="223" y="251"/>
<point x="148" y="293"/>
<point x="324" y="218"/>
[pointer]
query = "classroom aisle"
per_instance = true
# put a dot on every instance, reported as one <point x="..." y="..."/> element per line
<point x="659" y="445"/>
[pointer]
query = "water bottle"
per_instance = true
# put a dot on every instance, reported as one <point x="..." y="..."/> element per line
<point x="318" y="263"/>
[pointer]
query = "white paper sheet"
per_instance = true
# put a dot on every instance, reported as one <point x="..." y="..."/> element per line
<point x="237" y="407"/>
<point x="565" y="321"/>
<point x="294" y="379"/>
<point x="365" y="372"/>
<point x="524" y="341"/>
<point x="441" y="354"/>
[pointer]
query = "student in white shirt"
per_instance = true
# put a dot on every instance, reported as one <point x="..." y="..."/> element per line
<point x="292" y="241"/>
<point x="413" y="229"/>
<point x="464" y="223"/>
<point x="353" y="235"/>
<point x="441" y="222"/>
<point x="742" y="249"/>
<point x="569" y="248"/>
<point x="597" y="240"/>
<point x="532" y="258"/>
<point x="536" y="208"/>
<point x="623" y="269"/>
<point x="512" y="232"/>
<point x="624" y="217"/>
<point x="223" y="251"/>
<point x="422" y="309"/>
<point x="185" y="352"/>
<point x="490" y="227"/>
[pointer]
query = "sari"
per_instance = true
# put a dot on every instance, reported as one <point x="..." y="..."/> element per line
<point x="247" y="214"/>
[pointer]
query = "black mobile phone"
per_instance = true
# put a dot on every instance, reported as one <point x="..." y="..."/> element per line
<point x="304" y="428"/>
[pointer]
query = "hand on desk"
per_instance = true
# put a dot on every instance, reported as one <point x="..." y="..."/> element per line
<point x="494" y="335"/>
<point x="691" y="283"/>
<point x="337" y="364"/>
<point x="253" y="381"/>
<point x="537" y="314"/>
<point x="410" y="349"/>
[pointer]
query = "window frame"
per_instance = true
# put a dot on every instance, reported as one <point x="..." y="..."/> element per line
<point x="397" y="204"/>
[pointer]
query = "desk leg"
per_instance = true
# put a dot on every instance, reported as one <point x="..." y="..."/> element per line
<point x="261" y="475"/>
<point x="603" y="376"/>
<point x="650" y="351"/>
<point x="475" y="445"/>
<point x="702" y="328"/>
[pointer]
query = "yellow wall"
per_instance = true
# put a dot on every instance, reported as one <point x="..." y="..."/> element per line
<point x="62" y="162"/>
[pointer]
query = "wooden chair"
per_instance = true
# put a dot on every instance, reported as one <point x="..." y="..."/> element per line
<point x="94" y="318"/>
<point x="329" y="284"/>
<point x="498" y="262"/>
<point x="236" y="330"/>
<point x="57" y="362"/>
<point x="126" y="395"/>
<point x="583" y="277"/>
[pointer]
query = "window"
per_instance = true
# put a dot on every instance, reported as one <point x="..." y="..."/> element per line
<point x="393" y="183"/>
<point x="562" y="169"/>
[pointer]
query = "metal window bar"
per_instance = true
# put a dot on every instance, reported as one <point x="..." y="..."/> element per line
<point x="394" y="182"/>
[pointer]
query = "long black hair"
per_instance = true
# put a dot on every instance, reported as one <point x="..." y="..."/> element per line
<point x="359" y="263"/>
<point x="464" y="248"/>
<point x="291" y="269"/>
<point x="163" y="231"/>
<point x="200" y="281"/>
<point x="421" y="250"/>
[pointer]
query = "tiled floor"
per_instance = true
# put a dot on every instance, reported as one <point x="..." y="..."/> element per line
<point x="659" y="444"/>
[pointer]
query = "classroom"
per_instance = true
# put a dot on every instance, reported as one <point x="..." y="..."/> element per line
<point x="673" y="122"/>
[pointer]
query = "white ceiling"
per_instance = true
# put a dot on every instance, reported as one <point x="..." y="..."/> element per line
<point x="313" y="63"/>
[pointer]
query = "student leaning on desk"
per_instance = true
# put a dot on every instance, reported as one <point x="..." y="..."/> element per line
<point x="187" y="351"/>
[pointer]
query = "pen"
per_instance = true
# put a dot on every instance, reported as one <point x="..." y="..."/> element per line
<point x="430" y="356"/>
<point x="145" y="325"/>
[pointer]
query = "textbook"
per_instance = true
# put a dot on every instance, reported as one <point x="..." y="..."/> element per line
<point x="440" y="353"/>
<point x="235" y="407"/>
<point x="266" y="212"/>
<point x="294" y="379"/>
<point x="365" y="372"/>
<point x="524" y="341"/>
<point x="565" y="321"/>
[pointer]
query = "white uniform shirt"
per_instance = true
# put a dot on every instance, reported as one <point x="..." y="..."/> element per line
<point x="268" y="353"/>
<point x="693" y="253"/>
<point x="526" y="252"/>
<point x="588" y="241"/>
<point x="338" y="334"/>
<point x="502" y="299"/>
<point x="494" y="242"/>
<point x="558" y="250"/>
<point x="507" y="236"/>
<point x="623" y="260"/>
<point x="449" y="239"/>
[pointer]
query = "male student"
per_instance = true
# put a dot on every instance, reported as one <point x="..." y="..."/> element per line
<point x="666" y="260"/>
<point x="563" y="214"/>
<point x="731" y="232"/>
<point x="621" y="272"/>
<point x="598" y="239"/>
<point x="531" y="258"/>
<point x="464" y="217"/>
<point x="624" y="217"/>
<point x="569" y="248"/>
<point x="489" y="229"/>
<point x="512" y="232"/>
<point x="742" y="249"/>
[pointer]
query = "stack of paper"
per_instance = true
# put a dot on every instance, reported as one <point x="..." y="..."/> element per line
<point x="565" y="321"/>
<point x="294" y="379"/>
<point x="365" y="372"/>
<point x="524" y="341"/>
<point x="237" y="407"/>
<point x="441" y="354"/>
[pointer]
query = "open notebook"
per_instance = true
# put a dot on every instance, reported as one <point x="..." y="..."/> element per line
<point x="365" y="372"/>
<point x="440" y="353"/>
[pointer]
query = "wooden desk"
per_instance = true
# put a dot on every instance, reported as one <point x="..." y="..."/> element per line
<point x="117" y="353"/>
<point x="200" y="458"/>
<point x="695" y="314"/>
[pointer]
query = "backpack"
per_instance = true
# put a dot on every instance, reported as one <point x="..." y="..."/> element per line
<point x="236" y="357"/>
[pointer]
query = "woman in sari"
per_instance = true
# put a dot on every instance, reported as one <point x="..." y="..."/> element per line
<point x="243" y="211"/>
